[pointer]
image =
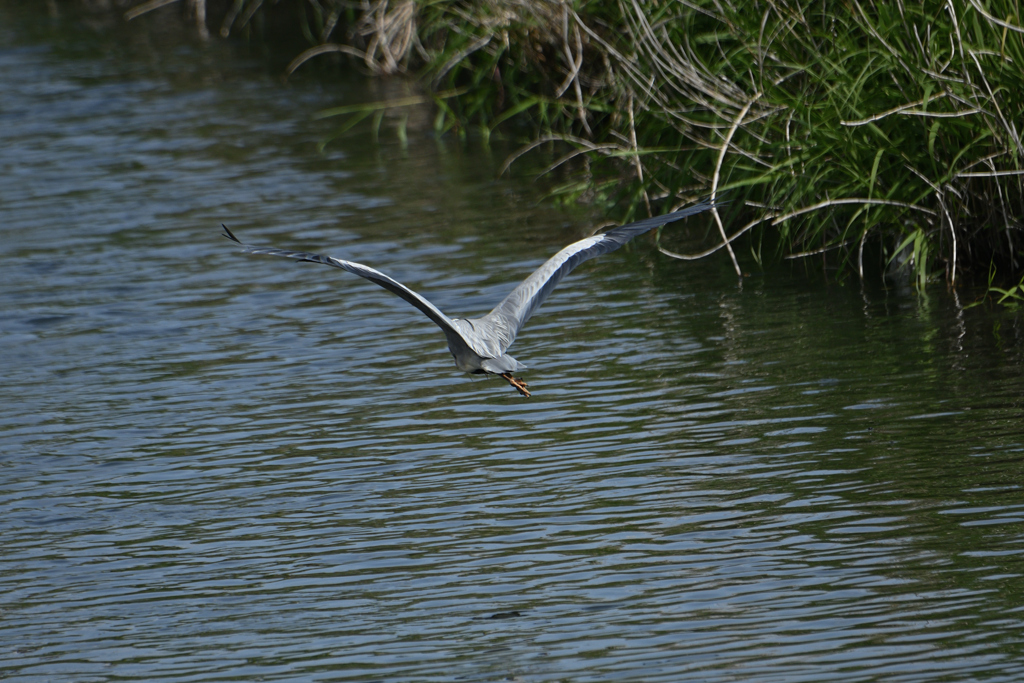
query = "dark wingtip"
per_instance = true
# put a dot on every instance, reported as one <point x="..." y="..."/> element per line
<point x="720" y="199"/>
<point x="227" y="233"/>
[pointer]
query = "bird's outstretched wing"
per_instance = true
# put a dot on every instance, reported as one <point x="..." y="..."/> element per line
<point x="375" y="276"/>
<point x="504" y="322"/>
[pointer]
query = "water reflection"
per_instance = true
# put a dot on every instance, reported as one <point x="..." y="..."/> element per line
<point x="215" y="466"/>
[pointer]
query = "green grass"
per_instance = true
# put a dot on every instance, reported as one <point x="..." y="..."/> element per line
<point x="872" y="136"/>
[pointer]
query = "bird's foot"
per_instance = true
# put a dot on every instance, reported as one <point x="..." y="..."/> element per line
<point x="518" y="383"/>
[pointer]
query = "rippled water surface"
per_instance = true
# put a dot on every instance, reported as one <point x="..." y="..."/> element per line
<point x="215" y="466"/>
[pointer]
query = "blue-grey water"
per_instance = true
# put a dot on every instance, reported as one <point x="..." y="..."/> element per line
<point x="221" y="467"/>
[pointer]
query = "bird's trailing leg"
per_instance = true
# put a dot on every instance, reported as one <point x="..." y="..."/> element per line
<point x="518" y="383"/>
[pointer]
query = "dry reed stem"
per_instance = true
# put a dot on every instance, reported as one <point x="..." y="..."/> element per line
<point x="145" y="7"/>
<point x="894" y="110"/>
<point x="326" y="48"/>
<point x="712" y="250"/>
<point x="198" y="9"/>
<point x="575" y="153"/>
<point x="332" y="21"/>
<point x="229" y="18"/>
<point x="575" y="63"/>
<point x="942" y="114"/>
<point x="994" y="20"/>
<point x="816" y="252"/>
<point x="714" y="181"/>
<point x="392" y="33"/>
<point x="593" y="147"/>
<point x="988" y="174"/>
<point x="1011" y="130"/>
<point x="250" y="10"/>
<point x="860" y="253"/>
<point x="952" y="233"/>
<point x="479" y="43"/>
<point x="851" y="200"/>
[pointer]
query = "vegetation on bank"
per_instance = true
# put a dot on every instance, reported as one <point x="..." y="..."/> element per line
<point x="873" y="132"/>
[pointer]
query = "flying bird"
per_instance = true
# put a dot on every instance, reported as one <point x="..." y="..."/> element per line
<point x="479" y="344"/>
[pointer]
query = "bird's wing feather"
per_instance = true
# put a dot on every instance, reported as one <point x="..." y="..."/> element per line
<point x="508" y="317"/>
<point x="375" y="276"/>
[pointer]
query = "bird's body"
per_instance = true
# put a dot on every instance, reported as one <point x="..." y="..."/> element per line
<point x="479" y="344"/>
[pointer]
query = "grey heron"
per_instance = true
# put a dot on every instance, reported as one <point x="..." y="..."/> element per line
<point x="479" y="344"/>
